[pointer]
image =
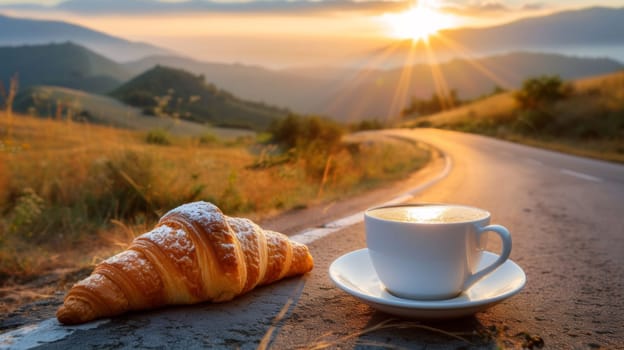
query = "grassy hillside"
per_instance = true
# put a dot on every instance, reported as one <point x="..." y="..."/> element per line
<point x="182" y="95"/>
<point x="69" y="192"/>
<point x="68" y="65"/>
<point x="588" y="120"/>
<point x="63" y="103"/>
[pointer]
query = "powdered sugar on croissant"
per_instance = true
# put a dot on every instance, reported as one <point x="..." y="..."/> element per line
<point x="194" y="254"/>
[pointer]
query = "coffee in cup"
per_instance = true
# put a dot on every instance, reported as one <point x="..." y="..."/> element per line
<point x="430" y="251"/>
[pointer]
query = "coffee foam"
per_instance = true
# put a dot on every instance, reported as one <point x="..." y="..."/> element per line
<point x="429" y="214"/>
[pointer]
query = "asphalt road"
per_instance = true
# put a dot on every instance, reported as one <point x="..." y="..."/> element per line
<point x="566" y="215"/>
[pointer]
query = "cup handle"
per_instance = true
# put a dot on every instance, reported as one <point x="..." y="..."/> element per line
<point x="505" y="236"/>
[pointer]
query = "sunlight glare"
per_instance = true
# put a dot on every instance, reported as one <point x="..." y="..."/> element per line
<point x="417" y="23"/>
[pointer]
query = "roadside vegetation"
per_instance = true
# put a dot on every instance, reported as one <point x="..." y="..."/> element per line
<point x="584" y="117"/>
<point x="70" y="191"/>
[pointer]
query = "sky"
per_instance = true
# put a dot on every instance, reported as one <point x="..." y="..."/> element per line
<point x="274" y="32"/>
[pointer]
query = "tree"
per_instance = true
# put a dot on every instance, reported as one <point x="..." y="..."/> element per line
<point x="535" y="101"/>
<point x="286" y="131"/>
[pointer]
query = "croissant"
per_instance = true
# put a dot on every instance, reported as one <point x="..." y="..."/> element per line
<point x="194" y="254"/>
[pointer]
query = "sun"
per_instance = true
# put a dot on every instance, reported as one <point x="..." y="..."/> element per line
<point x="417" y="23"/>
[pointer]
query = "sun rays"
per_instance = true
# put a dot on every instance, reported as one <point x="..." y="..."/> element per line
<point x="418" y="22"/>
<point x="421" y="25"/>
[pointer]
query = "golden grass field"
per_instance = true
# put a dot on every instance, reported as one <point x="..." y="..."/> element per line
<point x="71" y="194"/>
<point x="590" y="122"/>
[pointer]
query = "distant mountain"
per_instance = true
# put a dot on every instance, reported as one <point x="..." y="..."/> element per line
<point x="68" y="65"/>
<point x="590" y="26"/>
<point x="342" y="93"/>
<point x="349" y="95"/>
<point x="176" y="92"/>
<point x="384" y="93"/>
<point x="22" y="31"/>
<point x="589" y="32"/>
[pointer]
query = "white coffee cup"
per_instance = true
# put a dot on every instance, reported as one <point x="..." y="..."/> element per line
<point x="430" y="251"/>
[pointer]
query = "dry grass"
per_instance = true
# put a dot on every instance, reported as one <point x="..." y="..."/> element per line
<point x="70" y="192"/>
<point x="495" y="106"/>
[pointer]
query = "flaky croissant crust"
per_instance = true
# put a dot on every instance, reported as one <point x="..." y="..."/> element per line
<point x="194" y="254"/>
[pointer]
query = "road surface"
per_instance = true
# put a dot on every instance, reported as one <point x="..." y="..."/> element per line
<point x="566" y="215"/>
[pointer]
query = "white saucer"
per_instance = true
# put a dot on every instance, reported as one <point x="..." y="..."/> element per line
<point x="354" y="273"/>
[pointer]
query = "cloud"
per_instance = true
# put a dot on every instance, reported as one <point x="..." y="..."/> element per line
<point x="533" y="6"/>
<point x="135" y="7"/>
<point x="489" y="8"/>
<point x="479" y="8"/>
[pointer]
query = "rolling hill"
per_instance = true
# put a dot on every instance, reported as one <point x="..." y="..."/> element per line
<point x="23" y="31"/>
<point x="72" y="66"/>
<point x="296" y="91"/>
<point x="175" y="92"/>
<point x="67" y="64"/>
<point x="58" y="102"/>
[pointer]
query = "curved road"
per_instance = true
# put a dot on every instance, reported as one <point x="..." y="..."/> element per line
<point x="566" y="215"/>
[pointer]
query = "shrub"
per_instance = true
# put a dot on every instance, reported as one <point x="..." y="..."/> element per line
<point x="158" y="137"/>
<point x="128" y="181"/>
<point x="299" y="132"/>
<point x="208" y="138"/>
<point x="27" y="210"/>
<point x="286" y="131"/>
<point x="311" y="139"/>
<point x="423" y="124"/>
<point x="537" y="92"/>
<point x="536" y="102"/>
<point x="437" y="103"/>
<point x="367" y="124"/>
<point x="529" y="120"/>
